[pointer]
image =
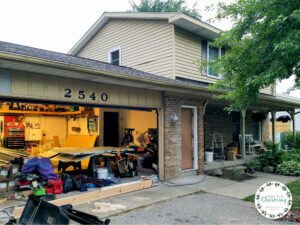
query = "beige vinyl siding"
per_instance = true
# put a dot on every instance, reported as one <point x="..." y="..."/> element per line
<point x="145" y="44"/>
<point x="187" y="54"/>
<point x="32" y="86"/>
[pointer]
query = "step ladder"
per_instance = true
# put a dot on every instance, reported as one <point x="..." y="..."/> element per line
<point x="218" y="146"/>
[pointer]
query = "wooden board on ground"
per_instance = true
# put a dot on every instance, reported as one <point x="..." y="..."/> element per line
<point x="104" y="192"/>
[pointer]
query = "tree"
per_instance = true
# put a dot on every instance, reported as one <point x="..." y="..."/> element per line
<point x="263" y="47"/>
<point x="165" y="6"/>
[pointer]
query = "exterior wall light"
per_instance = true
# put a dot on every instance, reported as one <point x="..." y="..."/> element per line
<point x="174" y="118"/>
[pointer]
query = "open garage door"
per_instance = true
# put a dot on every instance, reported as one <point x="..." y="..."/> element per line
<point x="99" y="143"/>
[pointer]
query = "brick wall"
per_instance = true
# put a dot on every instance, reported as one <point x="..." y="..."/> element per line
<point x="172" y="134"/>
<point x="217" y="121"/>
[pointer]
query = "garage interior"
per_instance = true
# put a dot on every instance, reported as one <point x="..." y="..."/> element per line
<point x="104" y="145"/>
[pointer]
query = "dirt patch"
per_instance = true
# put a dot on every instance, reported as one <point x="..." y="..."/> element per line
<point x="237" y="177"/>
<point x="293" y="216"/>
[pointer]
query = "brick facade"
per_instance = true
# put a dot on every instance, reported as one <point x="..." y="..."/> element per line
<point x="172" y="134"/>
<point x="216" y="120"/>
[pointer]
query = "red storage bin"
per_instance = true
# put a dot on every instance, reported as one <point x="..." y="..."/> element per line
<point x="55" y="187"/>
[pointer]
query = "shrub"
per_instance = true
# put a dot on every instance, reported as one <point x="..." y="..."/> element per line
<point x="255" y="164"/>
<point x="272" y="157"/>
<point x="292" y="155"/>
<point x="270" y="146"/>
<point x="289" y="140"/>
<point x="289" y="168"/>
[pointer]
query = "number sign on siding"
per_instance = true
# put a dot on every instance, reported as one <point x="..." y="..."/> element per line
<point x="47" y="87"/>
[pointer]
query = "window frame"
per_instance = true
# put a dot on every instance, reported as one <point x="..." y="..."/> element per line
<point x="207" y="67"/>
<point x="110" y="51"/>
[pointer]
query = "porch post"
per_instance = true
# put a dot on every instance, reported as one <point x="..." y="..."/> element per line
<point x="292" y="114"/>
<point x="243" y="128"/>
<point x="273" y="113"/>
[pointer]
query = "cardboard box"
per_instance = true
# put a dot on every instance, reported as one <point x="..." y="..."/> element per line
<point x="13" y="171"/>
<point x="4" y="172"/>
<point x="3" y="185"/>
<point x="11" y="185"/>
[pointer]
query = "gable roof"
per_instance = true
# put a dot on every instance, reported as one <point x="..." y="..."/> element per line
<point x="178" y="19"/>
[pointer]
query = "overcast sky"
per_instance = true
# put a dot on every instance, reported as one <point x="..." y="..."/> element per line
<point x="58" y="24"/>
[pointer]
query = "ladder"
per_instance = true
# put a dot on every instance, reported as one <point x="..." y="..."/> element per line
<point x="218" y="146"/>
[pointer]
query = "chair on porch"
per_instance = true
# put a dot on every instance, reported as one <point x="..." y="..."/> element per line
<point x="251" y="145"/>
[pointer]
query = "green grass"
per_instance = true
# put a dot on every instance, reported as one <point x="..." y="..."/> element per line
<point x="294" y="188"/>
<point x="250" y="198"/>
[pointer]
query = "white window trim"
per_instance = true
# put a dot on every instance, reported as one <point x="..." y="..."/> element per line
<point x="207" y="68"/>
<point x="113" y="50"/>
<point x="195" y="130"/>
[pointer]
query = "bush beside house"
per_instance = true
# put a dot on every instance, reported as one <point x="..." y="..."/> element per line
<point x="288" y="139"/>
<point x="284" y="162"/>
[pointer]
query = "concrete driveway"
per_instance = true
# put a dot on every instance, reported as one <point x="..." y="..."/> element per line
<point x="202" y="208"/>
<point x="220" y="204"/>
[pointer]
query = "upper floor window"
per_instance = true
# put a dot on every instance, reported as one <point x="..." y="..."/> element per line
<point x="213" y="53"/>
<point x="114" y="56"/>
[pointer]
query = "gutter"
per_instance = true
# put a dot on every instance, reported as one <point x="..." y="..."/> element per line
<point x="78" y="68"/>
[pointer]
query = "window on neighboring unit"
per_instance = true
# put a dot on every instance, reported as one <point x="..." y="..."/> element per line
<point x="114" y="56"/>
<point x="256" y="130"/>
<point x="213" y="53"/>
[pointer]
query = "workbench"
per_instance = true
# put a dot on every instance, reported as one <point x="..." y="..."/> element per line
<point x="72" y="156"/>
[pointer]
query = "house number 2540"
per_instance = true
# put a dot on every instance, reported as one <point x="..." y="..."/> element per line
<point x="83" y="95"/>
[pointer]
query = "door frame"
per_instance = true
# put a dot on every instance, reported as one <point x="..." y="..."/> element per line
<point x="195" y="133"/>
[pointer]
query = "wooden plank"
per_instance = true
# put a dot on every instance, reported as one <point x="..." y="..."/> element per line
<point x="104" y="192"/>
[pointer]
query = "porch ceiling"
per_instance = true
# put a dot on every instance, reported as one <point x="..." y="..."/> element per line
<point x="266" y="103"/>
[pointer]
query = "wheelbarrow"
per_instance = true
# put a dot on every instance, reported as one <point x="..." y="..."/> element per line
<point x="39" y="212"/>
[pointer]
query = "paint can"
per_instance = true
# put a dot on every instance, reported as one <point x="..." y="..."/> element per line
<point x="102" y="173"/>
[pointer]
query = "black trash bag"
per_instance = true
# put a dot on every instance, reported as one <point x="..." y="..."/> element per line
<point x="69" y="183"/>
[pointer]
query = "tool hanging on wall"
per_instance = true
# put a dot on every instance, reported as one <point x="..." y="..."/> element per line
<point x="92" y="124"/>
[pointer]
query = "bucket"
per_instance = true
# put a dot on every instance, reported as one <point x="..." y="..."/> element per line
<point x="102" y="173"/>
<point x="230" y="155"/>
<point x="209" y="157"/>
<point x="234" y="149"/>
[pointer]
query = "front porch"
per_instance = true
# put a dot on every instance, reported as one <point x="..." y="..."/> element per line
<point x="220" y="164"/>
<point x="243" y="130"/>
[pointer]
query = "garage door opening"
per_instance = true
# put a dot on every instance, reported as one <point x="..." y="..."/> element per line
<point x="103" y="145"/>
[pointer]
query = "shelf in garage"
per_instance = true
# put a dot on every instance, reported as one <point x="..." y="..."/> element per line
<point x="39" y="113"/>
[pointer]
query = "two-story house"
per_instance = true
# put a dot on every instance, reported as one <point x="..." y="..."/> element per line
<point x="137" y="70"/>
<point x="170" y="45"/>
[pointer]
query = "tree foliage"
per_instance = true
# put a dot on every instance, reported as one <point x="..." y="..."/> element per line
<point x="165" y="6"/>
<point x="263" y="47"/>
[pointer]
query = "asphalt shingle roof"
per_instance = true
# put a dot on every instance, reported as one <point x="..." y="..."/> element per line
<point x="85" y="62"/>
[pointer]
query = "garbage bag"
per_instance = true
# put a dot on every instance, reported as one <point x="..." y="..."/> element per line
<point x="31" y="166"/>
<point x="69" y="183"/>
<point x="46" y="170"/>
<point x="42" y="167"/>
